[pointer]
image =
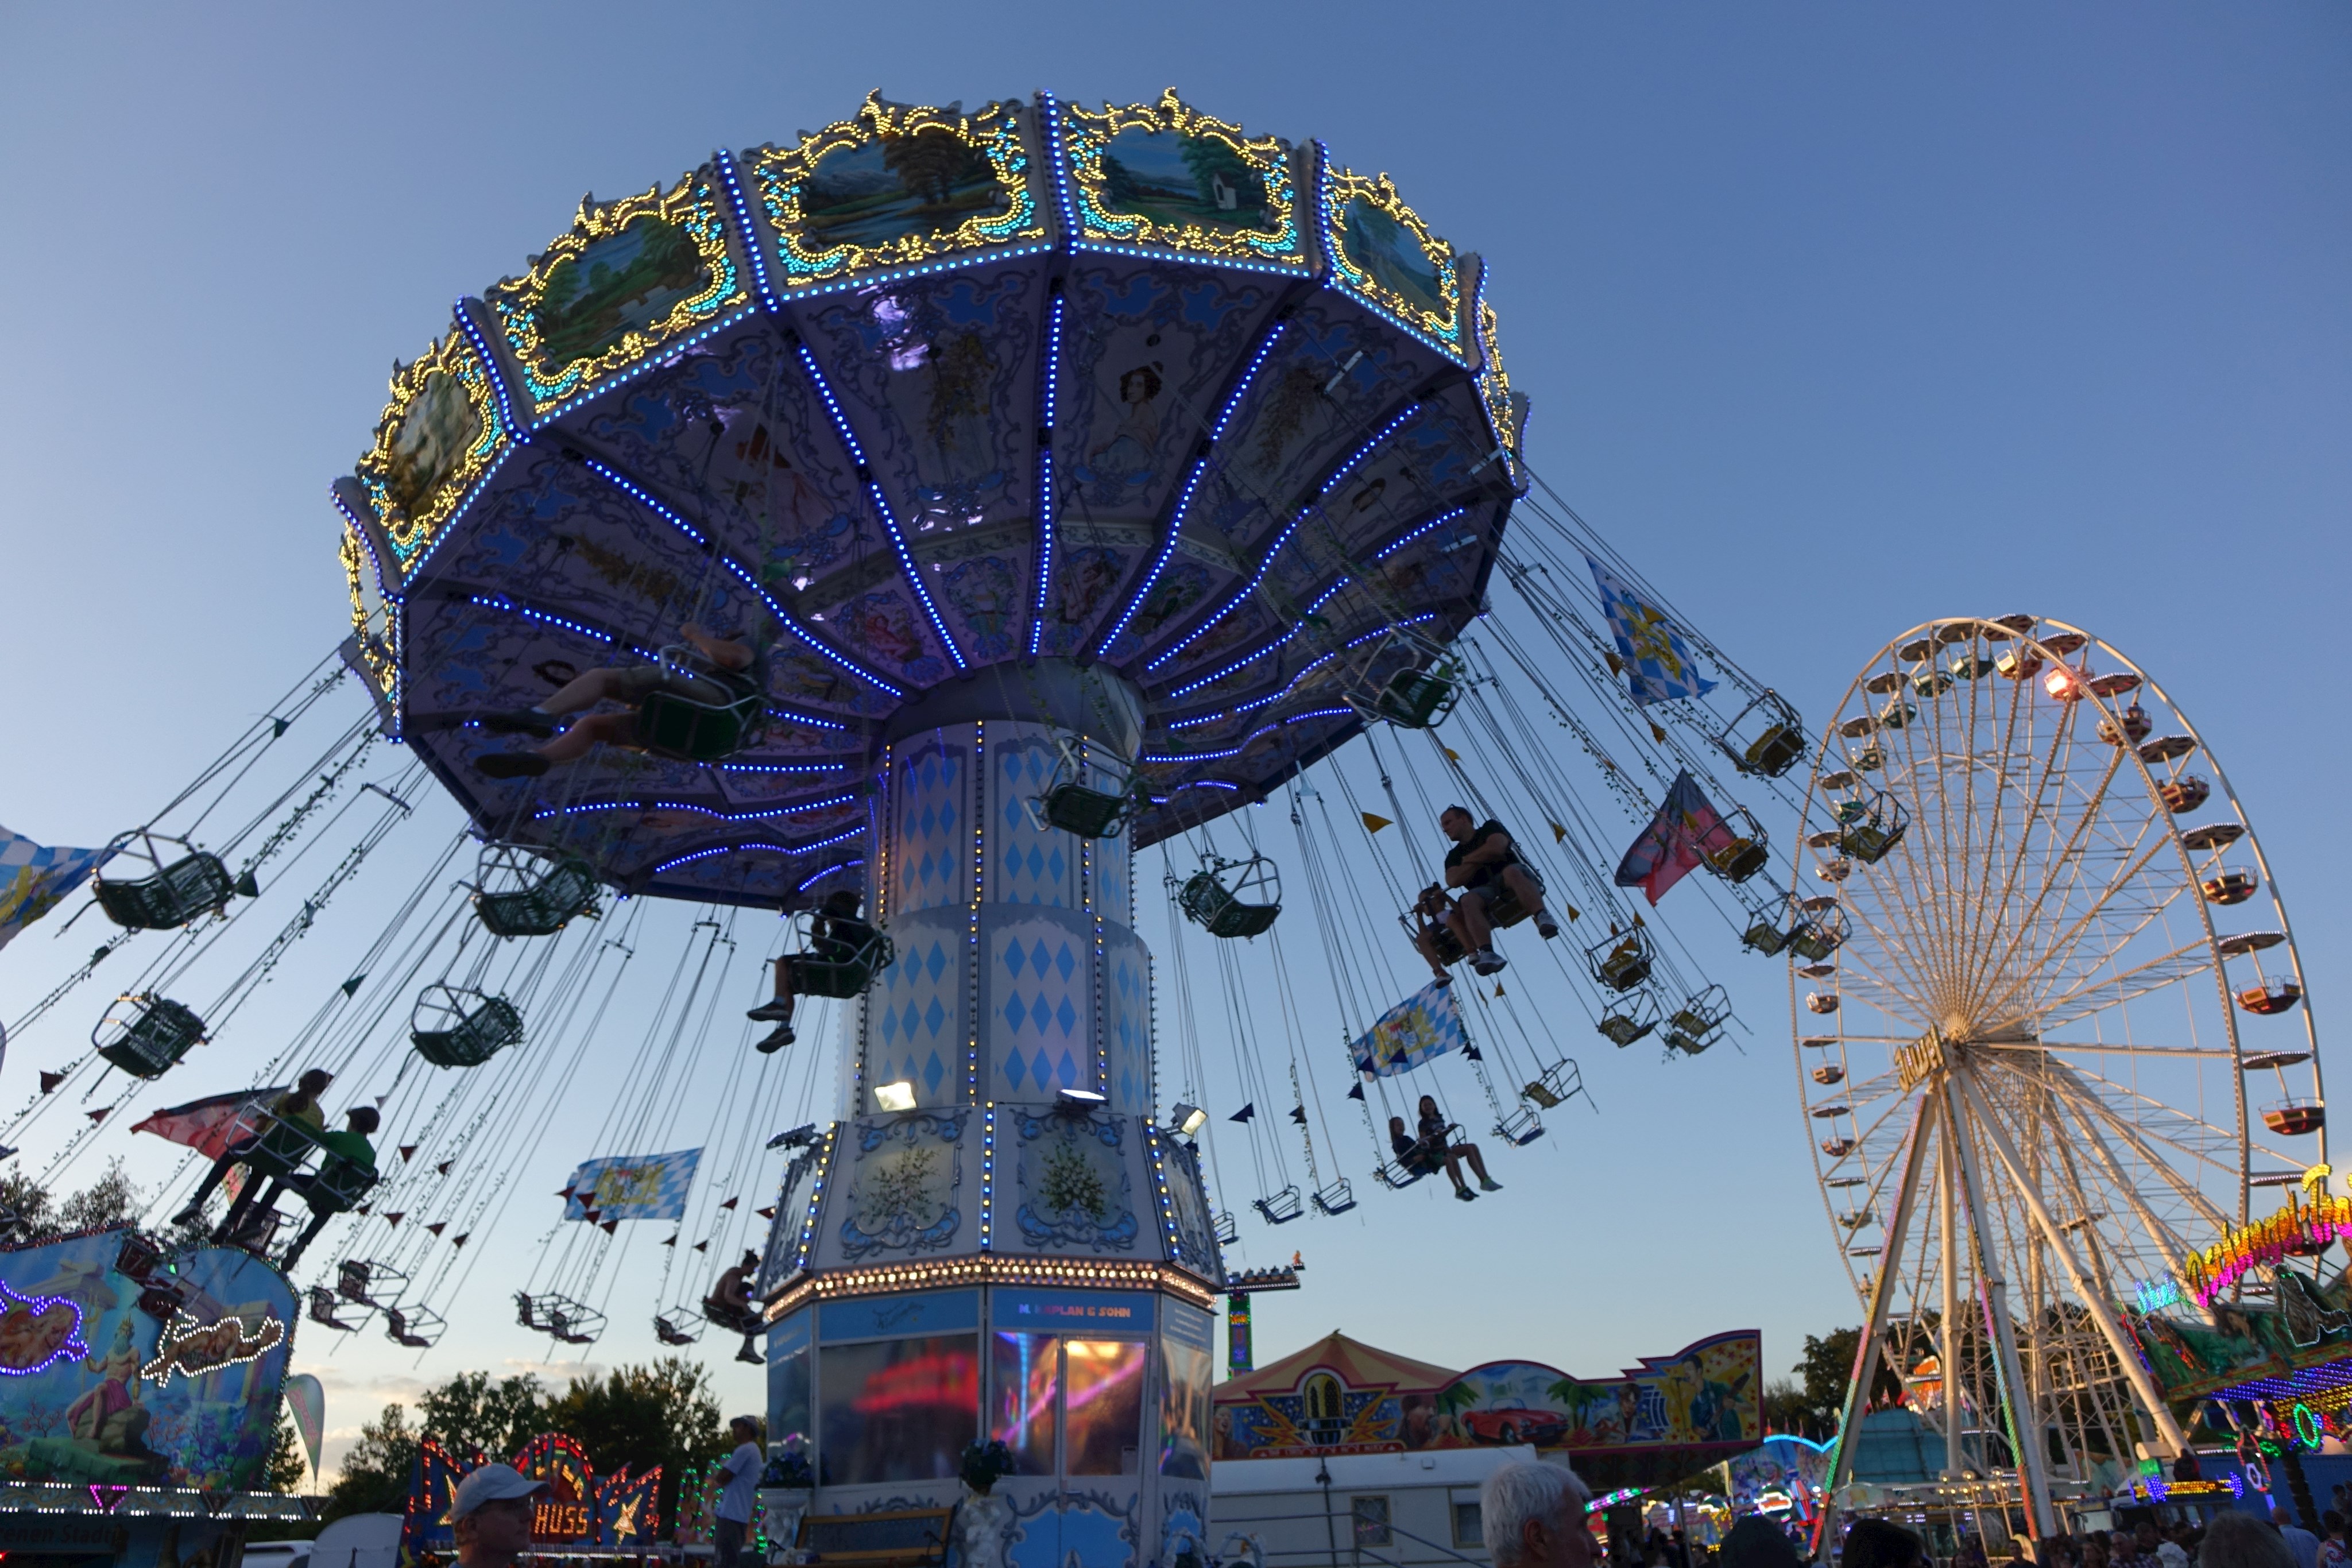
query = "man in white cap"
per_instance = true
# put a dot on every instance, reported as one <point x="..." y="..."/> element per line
<point x="492" y="1516"/>
<point x="740" y="1479"/>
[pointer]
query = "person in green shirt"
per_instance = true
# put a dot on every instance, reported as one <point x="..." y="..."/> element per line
<point x="328" y="1191"/>
<point x="297" y="1104"/>
<point x="347" y="1147"/>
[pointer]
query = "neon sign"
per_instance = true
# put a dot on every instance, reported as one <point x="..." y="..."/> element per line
<point x="193" y="1348"/>
<point x="37" y="1332"/>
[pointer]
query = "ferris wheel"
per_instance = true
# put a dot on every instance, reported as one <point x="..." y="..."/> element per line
<point x="2050" y="1027"/>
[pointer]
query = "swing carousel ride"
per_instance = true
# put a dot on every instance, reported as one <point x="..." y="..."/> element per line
<point x="2061" y="1046"/>
<point x="960" y="503"/>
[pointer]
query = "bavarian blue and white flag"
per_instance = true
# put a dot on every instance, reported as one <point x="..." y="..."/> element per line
<point x="1425" y="1024"/>
<point x="630" y="1186"/>
<point x="34" y="878"/>
<point x="1658" y="663"/>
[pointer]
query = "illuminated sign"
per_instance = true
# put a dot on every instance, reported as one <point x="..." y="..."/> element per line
<point x="193" y="1348"/>
<point x="2157" y="1293"/>
<point x="37" y="1331"/>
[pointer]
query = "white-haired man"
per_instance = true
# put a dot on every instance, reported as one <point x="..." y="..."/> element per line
<point x="1533" y="1516"/>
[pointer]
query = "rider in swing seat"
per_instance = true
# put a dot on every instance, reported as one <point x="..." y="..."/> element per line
<point x="1432" y="926"/>
<point x="735" y="673"/>
<point x="729" y="1306"/>
<point x="836" y="938"/>
<point x="1482" y="860"/>
<point x="298" y="1106"/>
<point x="349" y="1146"/>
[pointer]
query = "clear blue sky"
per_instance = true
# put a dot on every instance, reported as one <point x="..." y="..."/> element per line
<point x="1835" y="318"/>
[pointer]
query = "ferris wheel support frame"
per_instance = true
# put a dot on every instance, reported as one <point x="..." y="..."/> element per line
<point x="2031" y="1461"/>
<point x="2159" y="1415"/>
<point x="1867" y="1352"/>
<point x="1948" y="1357"/>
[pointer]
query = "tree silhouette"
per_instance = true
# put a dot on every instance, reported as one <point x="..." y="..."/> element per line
<point x="932" y="161"/>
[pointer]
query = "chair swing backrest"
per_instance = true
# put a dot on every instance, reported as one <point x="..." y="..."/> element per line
<point x="1222" y="911"/>
<point x="1521" y="1127"/>
<point x="453" y="1026"/>
<point x="1417" y="696"/>
<point x="550" y="891"/>
<point x="339" y="1186"/>
<point x="1766" y="738"/>
<point x="1631" y="1019"/>
<point x="1282" y="1207"/>
<point x="174" y="892"/>
<point x="1441" y="938"/>
<point x="1620" y="962"/>
<point x="1746" y="853"/>
<point x="1077" y="806"/>
<point x="1877" y="830"/>
<point x="281" y="1147"/>
<point x="684" y="728"/>
<point x="841" y="978"/>
<point x="147" y="1035"/>
<point x="678" y="1327"/>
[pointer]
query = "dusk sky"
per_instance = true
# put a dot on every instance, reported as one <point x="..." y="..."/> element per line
<point x="1834" y="317"/>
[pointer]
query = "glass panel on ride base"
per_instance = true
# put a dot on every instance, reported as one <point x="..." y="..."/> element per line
<point x="789" y="1383"/>
<point x="1184" y="1413"/>
<point x="1104" y="1409"/>
<point x="898" y="1410"/>
<point x="1024" y="1381"/>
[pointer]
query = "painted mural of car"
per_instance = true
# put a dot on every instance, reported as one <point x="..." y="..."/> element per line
<point x="1516" y="1423"/>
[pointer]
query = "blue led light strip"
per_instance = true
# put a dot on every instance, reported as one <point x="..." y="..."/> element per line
<point x="1175" y="528"/>
<point x="784" y="618"/>
<point x="794" y="809"/>
<point x="745" y="230"/>
<point x="1266" y="562"/>
<point x="907" y="566"/>
<point x="492" y="371"/>
<point x="794" y="851"/>
<point x="1048" y="375"/>
<point x="828" y="871"/>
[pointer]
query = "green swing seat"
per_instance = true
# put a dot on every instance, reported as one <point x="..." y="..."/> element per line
<point x="339" y="1187"/>
<point x="1089" y="813"/>
<point x="281" y="1148"/>
<point x="1416" y="699"/>
<point x="566" y="890"/>
<point x="1211" y="905"/>
<point x="153" y="1041"/>
<point x="479" y="1028"/>
<point x="194" y="884"/>
<point x="673" y="724"/>
<point x="1764" y="935"/>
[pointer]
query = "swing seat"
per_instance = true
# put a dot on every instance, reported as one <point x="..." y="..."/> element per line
<point x="1416" y="699"/>
<point x="1088" y="813"/>
<point x="1688" y="1033"/>
<point x="1521" y="1127"/>
<point x="1210" y="904"/>
<point x="1223" y="1226"/>
<point x="1869" y="841"/>
<point x="673" y="1328"/>
<point x="1335" y="1199"/>
<point x="370" y="1284"/>
<point x="1772" y="753"/>
<point x="1282" y="1207"/>
<point x="150" y="1042"/>
<point x="1764" y="937"/>
<point x="280" y="1149"/>
<point x="1813" y="942"/>
<point x="339" y="1186"/>
<point x="1441" y="938"/>
<point x="1556" y="1085"/>
<point x="418" y="1328"/>
<point x="1502" y="907"/>
<point x="841" y="978"/>
<point x="1739" y="860"/>
<point x="477" y="1033"/>
<point x="1624" y="967"/>
<point x="675" y="726"/>
<point x="566" y="890"/>
<point x="734" y="1320"/>
<point x="1540" y="1094"/>
<point x="324" y="1304"/>
<point x="1624" y="1029"/>
<point x="196" y="884"/>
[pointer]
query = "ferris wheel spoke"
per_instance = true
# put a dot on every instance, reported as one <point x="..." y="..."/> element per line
<point x="2024" y="923"/>
<point x="2076" y="1089"/>
<point x="2068" y="940"/>
<point x="2183" y="963"/>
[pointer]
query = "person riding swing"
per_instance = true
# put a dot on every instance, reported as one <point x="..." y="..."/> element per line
<point x="289" y="1126"/>
<point x="838" y="938"/>
<point x="729" y="1306"/>
<point x="1483" y="863"/>
<point x="1435" y="1147"/>
<point x="735" y="674"/>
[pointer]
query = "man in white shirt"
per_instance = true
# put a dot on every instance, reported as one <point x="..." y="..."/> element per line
<point x="738" y="1480"/>
<point x="2299" y="1541"/>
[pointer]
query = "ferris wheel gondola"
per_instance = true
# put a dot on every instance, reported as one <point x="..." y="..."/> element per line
<point x="2026" y="1065"/>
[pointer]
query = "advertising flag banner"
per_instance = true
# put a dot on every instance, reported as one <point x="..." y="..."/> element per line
<point x="34" y="878"/>
<point x="1658" y="663"/>
<point x="307" y="1398"/>
<point x="1686" y="830"/>
<point x="1424" y="1025"/>
<point x="630" y="1186"/>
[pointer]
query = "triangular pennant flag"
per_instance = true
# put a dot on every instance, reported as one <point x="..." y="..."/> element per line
<point x="1616" y="664"/>
<point x="438" y="1227"/>
<point x="396" y="1218"/>
<point x="443" y="1168"/>
<point x="702" y="1247"/>
<point x="1498" y="987"/>
<point x="765" y="1213"/>
<point x="366" y="1208"/>
<point x="1658" y="733"/>
<point x="1470" y="1050"/>
<point x="1298" y="1114"/>
<point x="1244" y="1113"/>
<point x="352" y="985"/>
<point x="1355" y="1091"/>
<point x="729" y="1204"/>
<point x="610" y="1226"/>
<point x="408" y="1152"/>
<point x="1559" y="833"/>
<point x="381" y="1098"/>
<point x="1374" y="824"/>
<point x="1574" y="913"/>
<point x="566" y="1193"/>
<point x="1451" y="755"/>
<point x="1637" y="917"/>
<point x="671" y="1243"/>
<point x="459" y="1240"/>
<point x="99" y="1115"/>
<point x="49" y="1082"/>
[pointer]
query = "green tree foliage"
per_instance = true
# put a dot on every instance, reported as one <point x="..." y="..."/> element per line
<point x="289" y="1466"/>
<point x="1828" y="1366"/>
<point x="1786" y="1409"/>
<point x="665" y="1414"/>
<point x="376" y="1472"/>
<point x="470" y="1412"/>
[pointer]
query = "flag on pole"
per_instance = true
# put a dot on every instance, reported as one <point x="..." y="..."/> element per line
<point x="630" y="1186"/>
<point x="211" y="1124"/>
<point x="1657" y="662"/>
<point x="308" y="1400"/>
<point x="1686" y="830"/>
<point x="1425" y="1024"/>
<point x="34" y="878"/>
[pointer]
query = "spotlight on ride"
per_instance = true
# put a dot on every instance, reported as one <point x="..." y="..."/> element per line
<point x="898" y="1096"/>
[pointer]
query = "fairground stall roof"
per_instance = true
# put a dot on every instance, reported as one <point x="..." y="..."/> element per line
<point x="940" y="407"/>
